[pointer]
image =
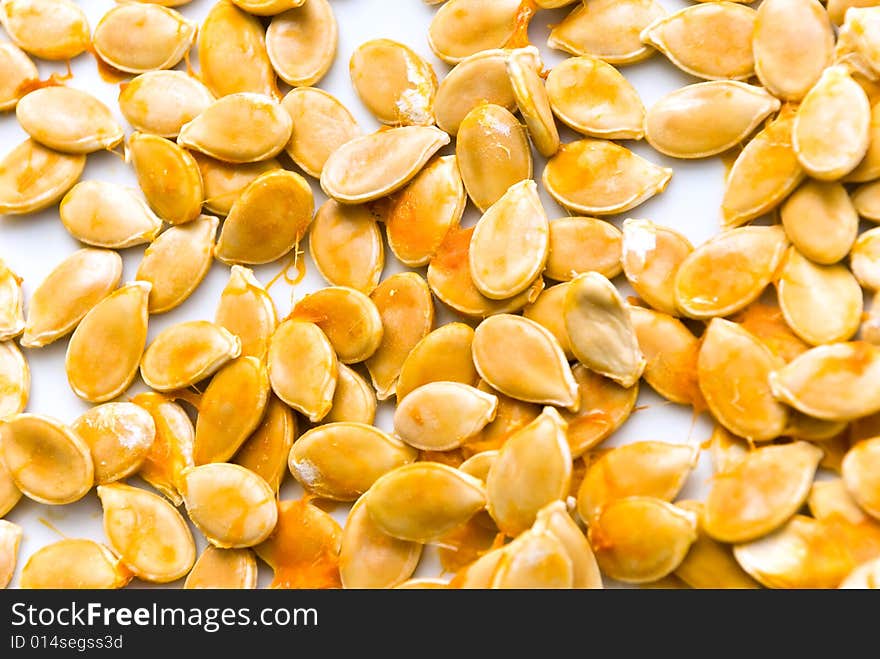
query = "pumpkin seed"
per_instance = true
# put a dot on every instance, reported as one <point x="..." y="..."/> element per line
<point x="119" y="437"/>
<point x="346" y="246"/>
<point x="733" y="368"/>
<point x="554" y="518"/>
<point x="857" y="36"/>
<point x="536" y="560"/>
<point x="172" y="451"/>
<point x="68" y="120"/>
<point x="524" y="68"/>
<point x="407" y="310"/>
<point x="161" y="102"/>
<point x="186" y="353"/>
<point x="16" y="69"/>
<point x="547" y="311"/>
<point x="350" y="175"/>
<point x="10" y="495"/>
<point x="820" y="209"/>
<point x="108" y="215"/>
<point x="301" y="43"/>
<point x="224" y="569"/>
<point x="265" y="451"/>
<point x="493" y="153"/>
<point x="147" y="533"/>
<point x="354" y="400"/>
<point x="462" y="28"/>
<point x="321" y="124"/>
<point x="268" y="220"/>
<point x="11" y="300"/>
<point x="10" y="539"/>
<point x="169" y="177"/>
<point x="834" y="506"/>
<point x="224" y="182"/>
<point x="480" y="573"/>
<point x="866" y="201"/>
<point x="597" y="177"/>
<point x="268" y="7"/>
<point x="766" y="322"/>
<point x="247" y="310"/>
<point x="442" y="355"/>
<point x="859" y="475"/>
<point x="74" y="563"/>
<point x="48" y="29"/>
<point x="651" y="255"/>
<point x="864" y="576"/>
<point x="729" y="271"/>
<point x="479" y="464"/>
<point x="177" y="262"/>
<point x="15" y="381"/>
<point x="47" y="461"/>
<point x="106" y="347"/>
<point x="869" y="168"/>
<point x="341" y="461"/>
<point x="394" y="82"/>
<point x="33" y="177"/>
<point x="221" y="429"/>
<point x="510" y="416"/>
<point x="239" y="128"/>
<point x="583" y="244"/>
<point x="141" y="37"/>
<point x="864" y="260"/>
<point x="837" y="8"/>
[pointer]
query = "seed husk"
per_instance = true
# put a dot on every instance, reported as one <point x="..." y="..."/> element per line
<point x="583" y="244"/>
<point x="110" y="215"/>
<point x="223" y="569"/>
<point x="45" y="114"/>
<point x="301" y="42"/>
<point x="172" y="450"/>
<point x="16" y="69"/>
<point x="477" y="79"/>
<point x="10" y="539"/>
<point x="820" y="220"/>
<point x="15" y="381"/>
<point x="462" y="28"/>
<point x="119" y="437"/>
<point x="33" y="177"/>
<point x="161" y="102"/>
<point x="534" y="560"/>
<point x="247" y="310"/>
<point x="347" y="247"/>
<point x="265" y="451"/>
<point x="11" y="304"/>
<point x="859" y="475"/>
<point x="48" y="29"/>
<point x="442" y="355"/>
<point x="74" y="563"/>
<point x="354" y="400"/>
<point x="651" y="255"/>
<point x="524" y="67"/>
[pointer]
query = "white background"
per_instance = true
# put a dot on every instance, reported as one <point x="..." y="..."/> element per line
<point x="32" y="245"/>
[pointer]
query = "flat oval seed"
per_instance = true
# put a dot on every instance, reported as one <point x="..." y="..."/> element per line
<point x="267" y="7"/>
<point x="864" y="259"/>
<point x="860" y="475"/>
<point x="301" y="43"/>
<point x="524" y="68"/>
<point x="477" y="79"/>
<point x="442" y="355"/>
<point x="461" y="28"/>
<point x="421" y="421"/>
<point x="147" y="533"/>
<point x="141" y="37"/>
<point x="423" y="212"/>
<point x="268" y="220"/>
<point x="684" y="123"/>
<point x="532" y="470"/>
<point x="186" y="353"/>
<point x="711" y="41"/>
<point x="395" y="83"/>
<point x="478" y="574"/>
<point x="10" y="495"/>
<point x="74" y="563"/>
<point x="221" y="428"/>
<point x="247" y="310"/>
<point x="733" y="369"/>
<point x="792" y="43"/>
<point x="369" y="558"/>
<point x="534" y="560"/>
<point x="239" y="128"/>
<point x="161" y="102"/>
<point x="22" y="190"/>
<point x="265" y="451"/>
<point x="541" y="375"/>
<point x="350" y="175"/>
<point x="608" y="29"/>
<point x="547" y="311"/>
<point x="171" y="452"/>
<point x="169" y="177"/>
<point x="761" y="492"/>
<point x="407" y="310"/>
<point x="68" y="120"/>
<point x="597" y="177"/>
<point x="671" y="352"/>
<point x="225" y="182"/>
<point x="231" y="505"/>
<point x="346" y="245"/>
<point x="832" y="382"/>
<point x="554" y="519"/>
<point x="110" y="215"/>
<point x="349" y="318"/>
<point x="47" y="461"/>
<point x="603" y="407"/>
<point x="119" y="437"/>
<point x="583" y="244"/>
<point x="321" y="124"/>
<point x="48" y="29"/>
<point x="104" y="352"/>
<point x="600" y="330"/>
<point x="223" y="569"/>
<point x="67" y="293"/>
<point x="303" y="368"/>
<point x="641" y="539"/>
<point x="767" y="323"/>
<point x="865" y="576"/>
<point x="640" y="469"/>
<point x="10" y="539"/>
<point x="869" y="168"/>
<point x="449" y="275"/>
<point x="866" y="200"/>
<point x="764" y="173"/>
<point x="478" y="464"/>
<point x="354" y="400"/>
<point x="15" y="381"/>
<point x="729" y="271"/>
<point x="177" y="262"/>
<point x="593" y="98"/>
<point x="821" y="303"/>
<point x="821" y="221"/>
<point x="11" y="302"/>
<point x="837" y="8"/>
<point x="800" y="555"/>
<point x="422" y="501"/>
<point x="832" y="126"/>
<point x="510" y="243"/>
<point x="493" y="153"/>
<point x="651" y="255"/>
<point x="831" y="504"/>
<point x="232" y="52"/>
<point x="341" y="461"/>
<point x="16" y="69"/>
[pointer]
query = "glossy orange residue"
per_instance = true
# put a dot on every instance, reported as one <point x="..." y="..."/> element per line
<point x="108" y="73"/>
<point x="190" y="396"/>
<point x="465" y="544"/>
<point x="295" y="261"/>
<point x="768" y="324"/>
<point x="524" y="15"/>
